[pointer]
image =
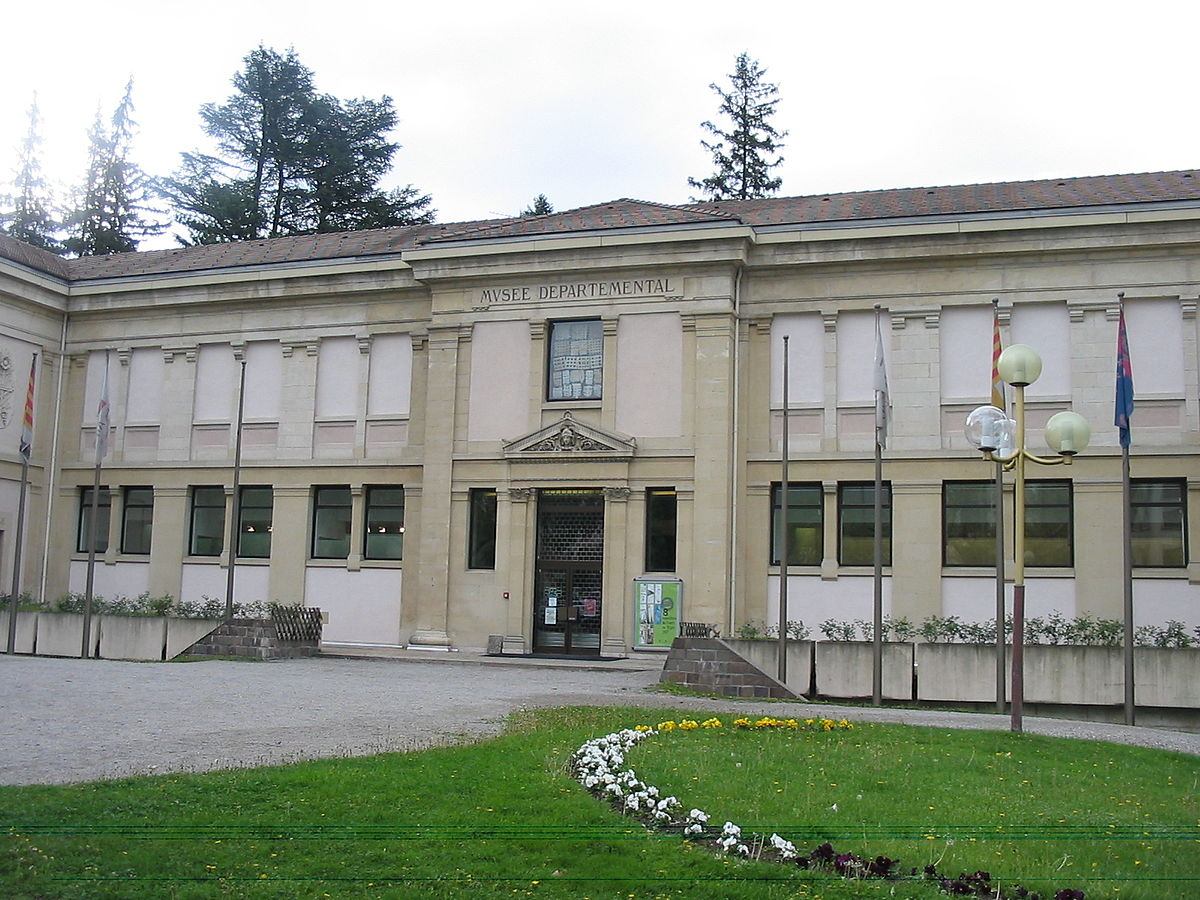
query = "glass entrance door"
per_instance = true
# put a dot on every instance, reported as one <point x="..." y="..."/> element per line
<point x="567" y="603"/>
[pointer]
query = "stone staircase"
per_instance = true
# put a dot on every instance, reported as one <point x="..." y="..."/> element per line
<point x="255" y="639"/>
<point x="709" y="664"/>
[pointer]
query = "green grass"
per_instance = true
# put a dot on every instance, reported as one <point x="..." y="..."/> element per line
<point x="503" y="818"/>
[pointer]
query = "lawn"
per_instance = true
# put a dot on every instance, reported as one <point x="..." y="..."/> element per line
<point x="504" y="818"/>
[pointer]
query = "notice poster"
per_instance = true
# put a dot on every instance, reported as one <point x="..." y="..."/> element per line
<point x="656" y="611"/>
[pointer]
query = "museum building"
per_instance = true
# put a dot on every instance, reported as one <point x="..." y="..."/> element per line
<point x="563" y="433"/>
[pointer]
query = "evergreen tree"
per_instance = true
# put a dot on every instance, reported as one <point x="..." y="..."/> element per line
<point x="741" y="154"/>
<point x="541" y="206"/>
<point x="111" y="204"/>
<point x="290" y="161"/>
<point x="27" y="212"/>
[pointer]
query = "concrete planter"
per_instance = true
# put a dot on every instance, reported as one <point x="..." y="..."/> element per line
<point x="133" y="637"/>
<point x="182" y="633"/>
<point x="26" y="631"/>
<point x="61" y="634"/>
<point x="844" y="669"/>
<point x="765" y="655"/>
<point x="958" y="672"/>
<point x="1095" y="676"/>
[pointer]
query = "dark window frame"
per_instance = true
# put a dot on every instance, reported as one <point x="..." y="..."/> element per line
<point x="662" y="530"/>
<point x="1033" y="503"/>
<point x="332" y="504"/>
<point x="375" y="513"/>
<point x="845" y="487"/>
<point x="796" y="513"/>
<point x="482" y="529"/>
<point x="1138" y="509"/>
<point x="134" y="499"/>
<point x="986" y="522"/>
<point x="251" y="520"/>
<point x="104" y="519"/>
<point x="209" y="490"/>
<point x="597" y="391"/>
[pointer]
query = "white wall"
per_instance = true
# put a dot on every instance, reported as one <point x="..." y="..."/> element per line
<point x="806" y="359"/>
<point x="1046" y="327"/>
<point x="1155" y="332"/>
<point x="202" y="580"/>
<point x="144" y="398"/>
<point x="363" y="606"/>
<point x="128" y="579"/>
<point x="264" y="381"/>
<point x="15" y="378"/>
<point x="813" y="601"/>
<point x="650" y="375"/>
<point x="965" y="338"/>
<point x="974" y="599"/>
<point x="499" y="394"/>
<point x="337" y="378"/>
<point x="216" y="384"/>
<point x="390" y="379"/>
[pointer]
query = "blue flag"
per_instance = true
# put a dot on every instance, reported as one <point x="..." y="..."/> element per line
<point x="1124" y="404"/>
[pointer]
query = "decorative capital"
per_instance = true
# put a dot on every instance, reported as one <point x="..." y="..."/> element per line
<point x="521" y="494"/>
<point x="617" y="494"/>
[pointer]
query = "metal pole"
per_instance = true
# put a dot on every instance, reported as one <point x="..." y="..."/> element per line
<point x="784" y="542"/>
<point x="1018" y="650"/>
<point x="1127" y="535"/>
<point x="1001" y="643"/>
<point x="237" y="506"/>
<point x="877" y="665"/>
<point x="16" y="579"/>
<point x="91" y="564"/>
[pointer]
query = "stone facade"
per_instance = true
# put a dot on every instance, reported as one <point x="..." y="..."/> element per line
<point x="416" y="361"/>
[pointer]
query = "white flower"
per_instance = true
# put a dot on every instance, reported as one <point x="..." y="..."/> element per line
<point x="786" y="848"/>
<point x="731" y="830"/>
<point x="698" y="815"/>
<point x="694" y="828"/>
<point x="834" y="807"/>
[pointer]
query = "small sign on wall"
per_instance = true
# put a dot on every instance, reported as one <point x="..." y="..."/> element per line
<point x="657" y="608"/>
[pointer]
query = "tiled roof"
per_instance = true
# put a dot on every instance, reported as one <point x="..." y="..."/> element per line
<point x="856" y="207"/>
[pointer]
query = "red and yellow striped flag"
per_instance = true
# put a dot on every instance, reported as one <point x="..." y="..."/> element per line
<point x="997" y="383"/>
<point x="26" y="441"/>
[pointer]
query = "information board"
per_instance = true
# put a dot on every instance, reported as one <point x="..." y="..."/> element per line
<point x="657" y="610"/>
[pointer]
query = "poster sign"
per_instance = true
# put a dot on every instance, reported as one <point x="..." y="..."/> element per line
<point x="657" y="610"/>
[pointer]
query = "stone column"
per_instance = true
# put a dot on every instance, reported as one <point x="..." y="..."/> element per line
<point x="298" y="410"/>
<point x="916" y="550"/>
<point x="289" y="544"/>
<point x="178" y="402"/>
<point x="428" y="599"/>
<point x="615" y="624"/>
<point x="515" y="526"/>
<point x="168" y="541"/>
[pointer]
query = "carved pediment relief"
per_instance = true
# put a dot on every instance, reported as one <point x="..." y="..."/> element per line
<point x="570" y="439"/>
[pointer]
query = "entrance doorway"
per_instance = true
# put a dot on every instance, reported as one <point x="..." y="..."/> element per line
<point x="567" y="602"/>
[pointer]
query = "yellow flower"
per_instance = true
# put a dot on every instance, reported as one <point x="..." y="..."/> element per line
<point x="742" y="722"/>
<point x="711" y="723"/>
<point x="641" y="728"/>
<point x="666" y="726"/>
<point x="689" y="724"/>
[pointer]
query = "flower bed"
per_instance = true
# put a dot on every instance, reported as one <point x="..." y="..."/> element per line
<point x="599" y="765"/>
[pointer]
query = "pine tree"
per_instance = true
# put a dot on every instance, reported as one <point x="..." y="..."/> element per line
<point x="109" y="214"/>
<point x="27" y="212"/>
<point x="541" y="206"/>
<point x="742" y="153"/>
<point x="290" y="161"/>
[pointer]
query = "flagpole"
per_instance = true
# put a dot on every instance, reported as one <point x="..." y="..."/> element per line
<point x="1127" y="503"/>
<point x="998" y="395"/>
<point x="237" y="506"/>
<point x="102" y="423"/>
<point x="26" y="446"/>
<point x="880" y="419"/>
<point x="785" y="549"/>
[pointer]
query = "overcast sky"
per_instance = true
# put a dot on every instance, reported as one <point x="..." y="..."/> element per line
<point x="591" y="101"/>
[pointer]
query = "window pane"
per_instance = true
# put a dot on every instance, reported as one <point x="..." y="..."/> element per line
<point x="85" y="517"/>
<point x="138" y="514"/>
<point x="384" y="537"/>
<point x="661" y="527"/>
<point x="969" y="523"/>
<point x="805" y="531"/>
<point x="481" y="549"/>
<point x="576" y="360"/>
<point x="856" y="531"/>
<point x="331" y="523"/>
<point x="208" y="521"/>
<point x="1048" y="523"/>
<point x="254" y="530"/>
<point x="1158" y="523"/>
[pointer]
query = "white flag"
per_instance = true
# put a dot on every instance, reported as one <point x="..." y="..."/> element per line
<point x="102" y="419"/>
<point x="882" y="401"/>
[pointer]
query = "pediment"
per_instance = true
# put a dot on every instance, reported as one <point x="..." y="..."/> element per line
<point x="570" y="439"/>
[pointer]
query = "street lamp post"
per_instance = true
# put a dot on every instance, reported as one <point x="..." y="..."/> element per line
<point x="1002" y="440"/>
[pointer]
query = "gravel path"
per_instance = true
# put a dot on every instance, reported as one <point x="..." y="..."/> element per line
<point x="68" y="720"/>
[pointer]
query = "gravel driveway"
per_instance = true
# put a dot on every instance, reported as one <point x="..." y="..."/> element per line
<point x="67" y="720"/>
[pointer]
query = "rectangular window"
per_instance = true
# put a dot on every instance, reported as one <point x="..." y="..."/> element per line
<point x="481" y="540"/>
<point x="208" y="522"/>
<point x="255" y="522"/>
<point x="856" y="523"/>
<point x="969" y="523"/>
<point x="103" y="511"/>
<point x="661" y="528"/>
<point x="384" y="538"/>
<point x="575" y="360"/>
<point x="1159" y="522"/>
<point x="805" y="529"/>
<point x="332" y="510"/>
<point x="1048" y="523"/>
<point x="136" y="518"/>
